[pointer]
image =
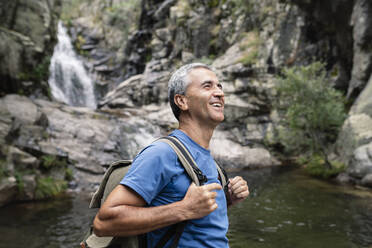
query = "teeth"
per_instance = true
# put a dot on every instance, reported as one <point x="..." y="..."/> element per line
<point x="217" y="105"/>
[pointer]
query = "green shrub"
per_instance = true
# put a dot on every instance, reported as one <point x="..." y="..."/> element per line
<point x="312" y="110"/>
<point x="47" y="187"/>
<point x="316" y="167"/>
<point x="38" y="73"/>
<point x="49" y="161"/>
<point x="69" y="175"/>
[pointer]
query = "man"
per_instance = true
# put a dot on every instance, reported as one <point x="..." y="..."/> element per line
<point x="157" y="193"/>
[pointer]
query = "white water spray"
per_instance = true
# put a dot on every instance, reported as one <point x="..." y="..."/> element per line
<point x="69" y="80"/>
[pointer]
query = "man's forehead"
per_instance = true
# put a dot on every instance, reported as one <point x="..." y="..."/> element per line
<point x="201" y="74"/>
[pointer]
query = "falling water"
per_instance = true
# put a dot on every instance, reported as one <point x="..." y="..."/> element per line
<point x="69" y="80"/>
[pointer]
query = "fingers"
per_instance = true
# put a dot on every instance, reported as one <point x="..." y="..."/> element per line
<point x="238" y="187"/>
<point x="210" y="193"/>
<point x="212" y="186"/>
<point x="201" y="200"/>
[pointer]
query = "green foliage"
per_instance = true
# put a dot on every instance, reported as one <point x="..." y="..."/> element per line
<point x="38" y="73"/>
<point x="249" y="47"/>
<point x="42" y="69"/>
<point x="213" y="3"/>
<point x="123" y="13"/>
<point x="80" y="41"/>
<point x="47" y="187"/>
<point x="70" y="10"/>
<point x="313" y="111"/>
<point x="315" y="167"/>
<point x="69" y="175"/>
<point x="250" y="58"/>
<point x="19" y="180"/>
<point x="49" y="161"/>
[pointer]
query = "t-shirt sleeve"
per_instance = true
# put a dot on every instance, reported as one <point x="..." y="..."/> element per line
<point x="151" y="170"/>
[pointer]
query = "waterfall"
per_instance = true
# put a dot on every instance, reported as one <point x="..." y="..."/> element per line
<point x="69" y="80"/>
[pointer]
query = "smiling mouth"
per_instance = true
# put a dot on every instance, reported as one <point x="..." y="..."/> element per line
<point x="219" y="105"/>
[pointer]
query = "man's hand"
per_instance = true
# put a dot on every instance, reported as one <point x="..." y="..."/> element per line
<point x="238" y="190"/>
<point x="200" y="200"/>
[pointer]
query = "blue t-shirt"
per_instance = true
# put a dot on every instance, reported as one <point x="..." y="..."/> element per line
<point x="157" y="175"/>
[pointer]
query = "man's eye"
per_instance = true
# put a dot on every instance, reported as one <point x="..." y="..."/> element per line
<point x="219" y="86"/>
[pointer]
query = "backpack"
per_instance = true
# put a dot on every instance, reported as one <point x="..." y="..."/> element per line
<point x="112" y="177"/>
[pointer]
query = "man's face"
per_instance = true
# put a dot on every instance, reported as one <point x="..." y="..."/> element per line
<point x="205" y="97"/>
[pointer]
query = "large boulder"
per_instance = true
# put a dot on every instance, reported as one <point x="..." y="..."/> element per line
<point x="361" y="162"/>
<point x="354" y="141"/>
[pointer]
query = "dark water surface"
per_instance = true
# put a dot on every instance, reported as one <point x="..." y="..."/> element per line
<point x="286" y="209"/>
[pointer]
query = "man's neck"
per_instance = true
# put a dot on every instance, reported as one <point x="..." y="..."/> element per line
<point x="199" y="134"/>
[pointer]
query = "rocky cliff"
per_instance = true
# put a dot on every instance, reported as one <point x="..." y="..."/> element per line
<point x="27" y="38"/>
<point x="131" y="47"/>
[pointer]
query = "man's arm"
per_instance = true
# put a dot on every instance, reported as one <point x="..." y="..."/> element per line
<point x="237" y="190"/>
<point x="124" y="212"/>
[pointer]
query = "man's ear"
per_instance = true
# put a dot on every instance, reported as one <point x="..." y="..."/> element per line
<point x="181" y="101"/>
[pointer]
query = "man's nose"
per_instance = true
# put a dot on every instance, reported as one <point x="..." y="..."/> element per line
<point x="218" y="92"/>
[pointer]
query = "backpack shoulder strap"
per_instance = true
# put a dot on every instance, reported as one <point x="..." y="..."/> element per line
<point x="190" y="165"/>
<point x="186" y="159"/>
<point x="222" y="175"/>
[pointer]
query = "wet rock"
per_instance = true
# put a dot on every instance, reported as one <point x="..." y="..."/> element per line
<point x="344" y="178"/>
<point x="28" y="189"/>
<point x="361" y="162"/>
<point x="8" y="190"/>
<point x="367" y="180"/>
<point x="356" y="132"/>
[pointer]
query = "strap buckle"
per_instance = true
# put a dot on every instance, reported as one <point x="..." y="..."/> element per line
<point x="201" y="177"/>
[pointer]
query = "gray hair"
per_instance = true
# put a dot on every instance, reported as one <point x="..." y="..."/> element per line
<point x="178" y="83"/>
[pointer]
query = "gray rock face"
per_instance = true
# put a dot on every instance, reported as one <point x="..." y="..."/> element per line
<point x="143" y="89"/>
<point x="355" y="132"/>
<point x="361" y="162"/>
<point x="363" y="104"/>
<point x="362" y="62"/>
<point x="354" y="141"/>
<point x="8" y="190"/>
<point x="27" y="37"/>
<point x="367" y="180"/>
<point x="82" y="139"/>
